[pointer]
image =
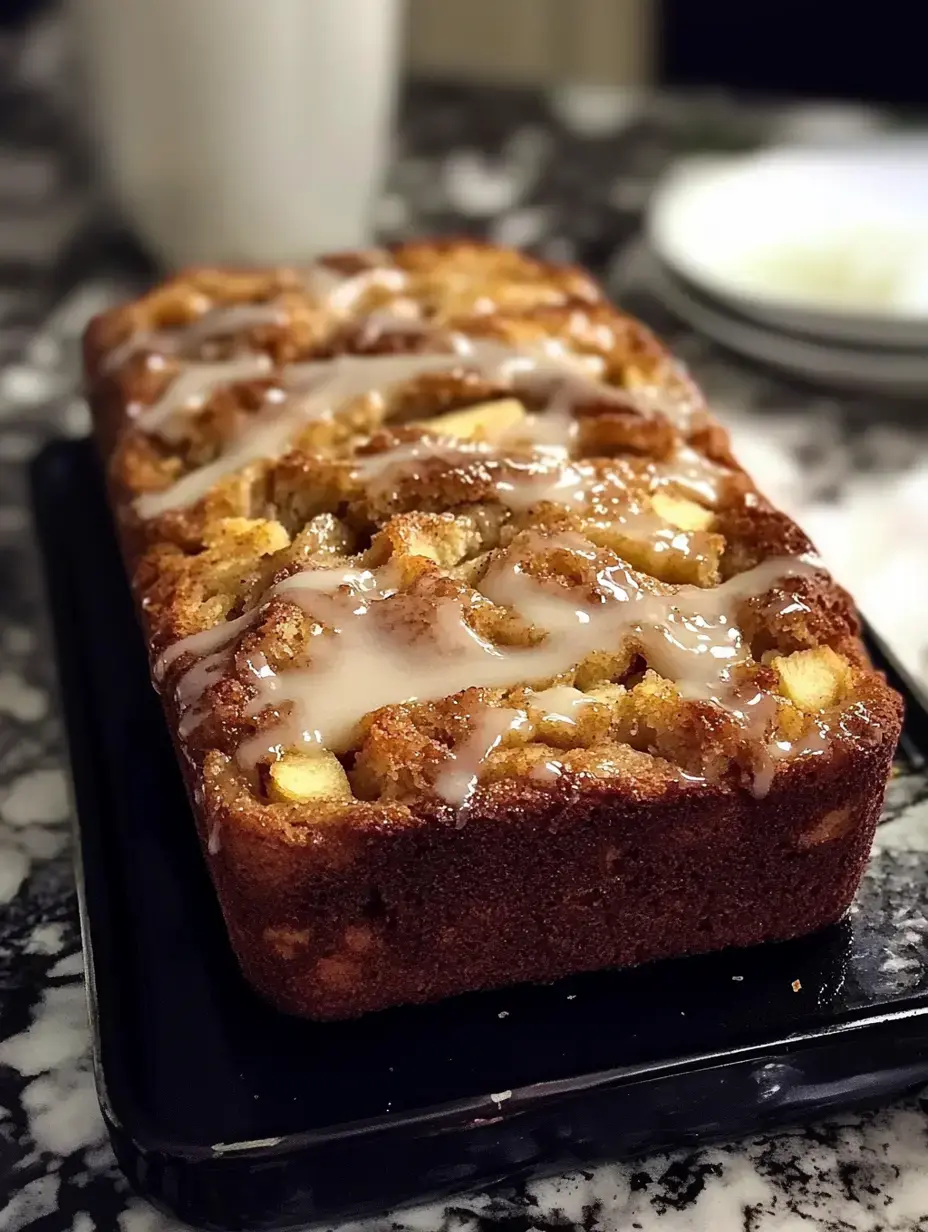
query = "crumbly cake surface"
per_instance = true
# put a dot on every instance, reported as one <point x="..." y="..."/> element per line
<point x="484" y="659"/>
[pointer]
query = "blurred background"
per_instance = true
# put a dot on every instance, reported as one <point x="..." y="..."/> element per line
<point x="752" y="179"/>
<point x="822" y="50"/>
<point x="827" y="49"/>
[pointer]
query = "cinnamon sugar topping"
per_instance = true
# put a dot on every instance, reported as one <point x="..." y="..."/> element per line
<point x="364" y="656"/>
<point x="221" y="322"/>
<point x="318" y="389"/>
<point x="525" y="612"/>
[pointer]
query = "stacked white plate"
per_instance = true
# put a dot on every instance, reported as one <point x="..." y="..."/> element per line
<point x="812" y="261"/>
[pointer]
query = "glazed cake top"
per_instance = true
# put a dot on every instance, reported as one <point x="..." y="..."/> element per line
<point x="415" y="527"/>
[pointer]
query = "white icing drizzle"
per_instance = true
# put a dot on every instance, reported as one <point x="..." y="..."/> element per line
<point x="552" y="431"/>
<point x="215" y="323"/>
<point x="402" y="316"/>
<point x="191" y="687"/>
<point x="560" y="703"/>
<point x="311" y="391"/>
<point x="381" y="471"/>
<point x="696" y="474"/>
<point x="211" y="648"/>
<point x="192" y="388"/>
<point x="517" y="483"/>
<point x="199" y="644"/>
<point x="336" y="292"/>
<point x="523" y="485"/>
<point x="370" y="655"/>
<point x="814" y="743"/>
<point x="308" y="393"/>
<point x="322" y="387"/>
<point x="267" y="434"/>
<point x="547" y="771"/>
<point x="341" y="294"/>
<point x="458" y="778"/>
<point x="674" y="405"/>
<point x="545" y="368"/>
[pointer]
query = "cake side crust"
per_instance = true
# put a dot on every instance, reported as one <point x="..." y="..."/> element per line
<point x="650" y="820"/>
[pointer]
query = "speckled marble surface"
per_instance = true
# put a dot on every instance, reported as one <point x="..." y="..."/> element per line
<point x="569" y="175"/>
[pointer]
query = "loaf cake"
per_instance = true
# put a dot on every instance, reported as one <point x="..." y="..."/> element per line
<point x="484" y="660"/>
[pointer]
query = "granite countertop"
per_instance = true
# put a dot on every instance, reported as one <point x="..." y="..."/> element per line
<point x="567" y="174"/>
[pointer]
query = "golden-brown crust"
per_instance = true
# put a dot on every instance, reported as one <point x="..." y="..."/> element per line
<point x="417" y="911"/>
<point x="646" y="839"/>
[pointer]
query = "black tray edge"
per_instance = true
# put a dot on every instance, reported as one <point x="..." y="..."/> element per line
<point x="143" y="1155"/>
<point x="67" y="685"/>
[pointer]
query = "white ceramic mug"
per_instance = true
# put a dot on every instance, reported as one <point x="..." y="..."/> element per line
<point x="241" y="130"/>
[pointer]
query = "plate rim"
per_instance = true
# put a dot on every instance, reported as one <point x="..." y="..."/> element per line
<point x="701" y="173"/>
<point x="778" y="349"/>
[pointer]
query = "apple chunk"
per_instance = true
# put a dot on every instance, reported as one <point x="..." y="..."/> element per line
<point x="682" y="513"/>
<point x="485" y="421"/>
<point x="302" y="777"/>
<point x="813" y="679"/>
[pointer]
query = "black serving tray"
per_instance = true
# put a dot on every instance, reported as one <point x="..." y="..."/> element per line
<point x="229" y="1114"/>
